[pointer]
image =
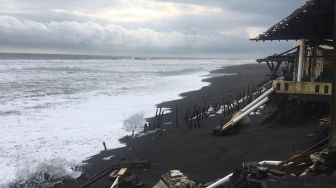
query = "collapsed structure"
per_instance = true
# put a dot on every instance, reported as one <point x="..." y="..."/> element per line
<point x="309" y="67"/>
<point x="307" y="70"/>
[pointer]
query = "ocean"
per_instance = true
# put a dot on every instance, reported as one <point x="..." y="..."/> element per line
<point x="54" y="114"/>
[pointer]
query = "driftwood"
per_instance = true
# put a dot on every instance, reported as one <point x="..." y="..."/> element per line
<point x="130" y="163"/>
<point x="298" y="163"/>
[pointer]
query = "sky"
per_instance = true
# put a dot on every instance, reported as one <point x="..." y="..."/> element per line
<point x="188" y="28"/>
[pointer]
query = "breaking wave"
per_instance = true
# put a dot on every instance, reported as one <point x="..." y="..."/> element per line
<point x="54" y="114"/>
<point x="33" y="174"/>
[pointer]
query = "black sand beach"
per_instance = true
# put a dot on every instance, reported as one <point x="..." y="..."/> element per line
<point x="196" y="152"/>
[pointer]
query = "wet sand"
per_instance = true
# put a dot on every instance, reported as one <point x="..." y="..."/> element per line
<point x="196" y="152"/>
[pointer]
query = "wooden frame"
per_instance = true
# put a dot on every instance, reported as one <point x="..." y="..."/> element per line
<point x="302" y="88"/>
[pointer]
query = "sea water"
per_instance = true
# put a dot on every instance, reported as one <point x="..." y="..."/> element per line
<point x="56" y="113"/>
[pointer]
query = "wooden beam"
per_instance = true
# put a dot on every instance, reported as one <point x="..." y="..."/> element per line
<point x="332" y="129"/>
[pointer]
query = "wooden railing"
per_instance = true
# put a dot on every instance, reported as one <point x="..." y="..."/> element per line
<point x="306" y="88"/>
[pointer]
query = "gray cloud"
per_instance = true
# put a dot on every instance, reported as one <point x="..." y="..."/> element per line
<point x="271" y="8"/>
<point x="215" y="28"/>
<point x="90" y="33"/>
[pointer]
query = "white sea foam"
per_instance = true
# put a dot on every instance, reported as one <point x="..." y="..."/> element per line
<point x="55" y="114"/>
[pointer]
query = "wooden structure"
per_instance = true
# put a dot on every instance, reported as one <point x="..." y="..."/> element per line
<point x="316" y="71"/>
<point x="313" y="21"/>
<point x="313" y="27"/>
<point x="274" y="61"/>
<point x="305" y="88"/>
<point x="308" y="66"/>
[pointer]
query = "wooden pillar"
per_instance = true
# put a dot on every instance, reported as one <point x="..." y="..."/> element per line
<point x="301" y="59"/>
<point x="332" y="131"/>
<point x="312" y="66"/>
<point x="296" y="64"/>
<point x="104" y="144"/>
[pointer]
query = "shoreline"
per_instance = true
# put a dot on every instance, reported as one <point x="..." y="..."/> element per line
<point x="198" y="154"/>
<point x="76" y="109"/>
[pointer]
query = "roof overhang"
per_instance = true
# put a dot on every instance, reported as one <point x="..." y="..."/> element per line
<point x="313" y="21"/>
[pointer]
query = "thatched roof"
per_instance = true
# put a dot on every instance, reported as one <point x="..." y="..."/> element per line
<point x="314" y="21"/>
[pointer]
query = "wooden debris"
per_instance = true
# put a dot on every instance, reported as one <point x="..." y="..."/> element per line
<point x="175" y="179"/>
<point x="127" y="163"/>
<point x="300" y="162"/>
<point x="130" y="181"/>
<point x="113" y="174"/>
<point x="122" y="171"/>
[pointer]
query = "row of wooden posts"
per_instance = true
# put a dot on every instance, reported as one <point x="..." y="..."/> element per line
<point x="157" y="120"/>
<point x="227" y="107"/>
<point x="159" y="114"/>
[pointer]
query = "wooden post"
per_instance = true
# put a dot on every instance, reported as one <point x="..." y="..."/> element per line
<point x="158" y="119"/>
<point x="223" y="104"/>
<point x="244" y="94"/>
<point x="176" y="116"/>
<point x="240" y="98"/>
<point x="231" y="104"/>
<point x="311" y="61"/>
<point x="224" y="108"/>
<point x="227" y="106"/>
<point x="190" y="119"/>
<point x="332" y="130"/>
<point x="248" y="88"/>
<point x="186" y="118"/>
<point x="104" y="144"/>
<point x="198" y="116"/>
<point x="253" y="88"/>
<point x="301" y="60"/>
<point x="156" y="113"/>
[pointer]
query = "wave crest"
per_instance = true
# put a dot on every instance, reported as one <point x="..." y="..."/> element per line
<point x="135" y="122"/>
<point x="45" y="174"/>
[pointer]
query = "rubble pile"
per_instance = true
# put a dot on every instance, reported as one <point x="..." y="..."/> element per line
<point x="324" y="162"/>
<point x="252" y="174"/>
<point x="310" y="168"/>
<point x="175" y="179"/>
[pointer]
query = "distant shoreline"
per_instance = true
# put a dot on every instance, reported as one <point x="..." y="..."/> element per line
<point x="40" y="56"/>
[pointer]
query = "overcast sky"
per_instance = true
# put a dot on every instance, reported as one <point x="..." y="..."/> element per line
<point x="206" y="28"/>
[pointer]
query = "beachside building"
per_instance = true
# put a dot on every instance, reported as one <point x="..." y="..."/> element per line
<point x="308" y="70"/>
<point x="305" y="69"/>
